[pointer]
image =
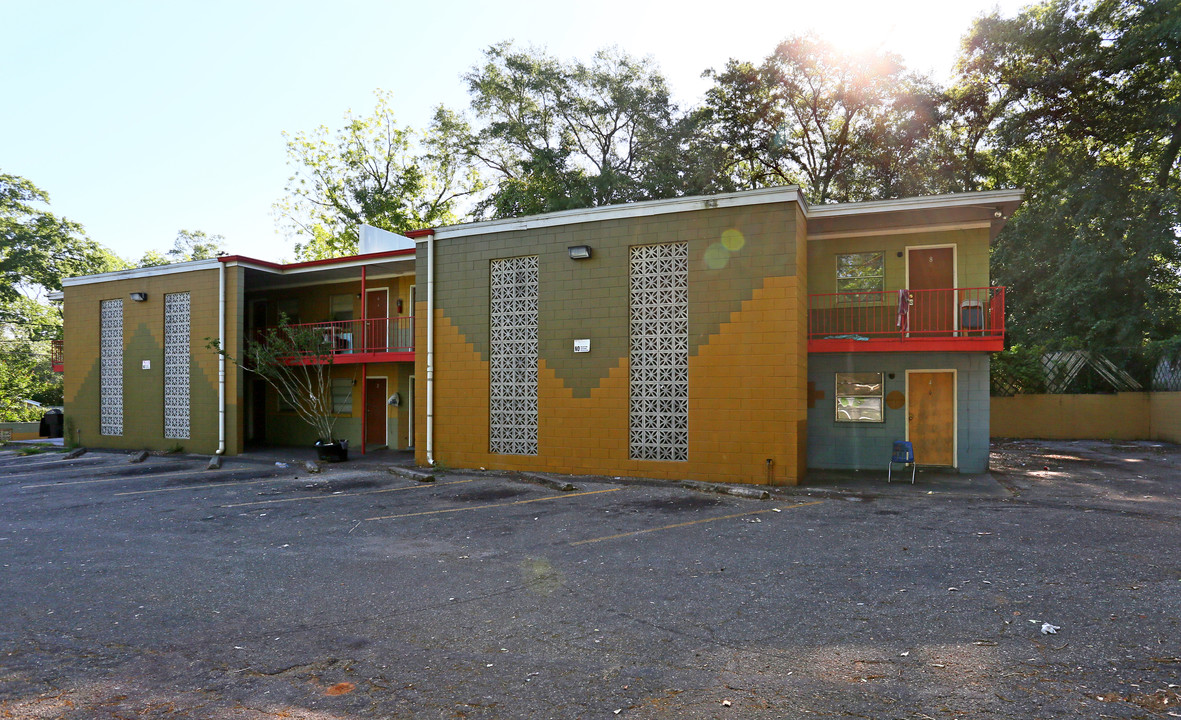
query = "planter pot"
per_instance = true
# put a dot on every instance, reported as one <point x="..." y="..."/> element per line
<point x="332" y="450"/>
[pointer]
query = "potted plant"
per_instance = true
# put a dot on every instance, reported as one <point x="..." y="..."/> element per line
<point x="297" y="360"/>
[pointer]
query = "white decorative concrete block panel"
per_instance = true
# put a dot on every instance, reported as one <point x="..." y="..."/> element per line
<point x="659" y="360"/>
<point x="513" y="356"/>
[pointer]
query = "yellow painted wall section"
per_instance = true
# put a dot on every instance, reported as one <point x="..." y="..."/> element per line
<point x="1122" y="416"/>
<point x="747" y="393"/>
<point x="747" y="403"/>
<point x="1165" y="416"/>
<point x="143" y="340"/>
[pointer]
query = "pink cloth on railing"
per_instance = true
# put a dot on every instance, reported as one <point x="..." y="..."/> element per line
<point x="903" y="310"/>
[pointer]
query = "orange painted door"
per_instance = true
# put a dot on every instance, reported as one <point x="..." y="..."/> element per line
<point x="375" y="411"/>
<point x="931" y="277"/>
<point x="377" y="314"/>
<point x="930" y="407"/>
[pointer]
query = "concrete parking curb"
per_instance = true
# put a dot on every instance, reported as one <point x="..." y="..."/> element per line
<point x="411" y="473"/>
<point x="549" y="481"/>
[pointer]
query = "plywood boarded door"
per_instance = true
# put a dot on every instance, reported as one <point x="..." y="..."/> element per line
<point x="930" y="408"/>
<point x="931" y="277"/>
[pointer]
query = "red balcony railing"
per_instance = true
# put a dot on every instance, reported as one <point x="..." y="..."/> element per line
<point x="57" y="355"/>
<point x="346" y="339"/>
<point x="944" y="319"/>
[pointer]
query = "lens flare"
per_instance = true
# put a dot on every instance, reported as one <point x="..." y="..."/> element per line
<point x="733" y="240"/>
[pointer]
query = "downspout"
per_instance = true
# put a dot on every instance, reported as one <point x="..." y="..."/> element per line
<point x="364" y="365"/>
<point x="221" y="358"/>
<point x="430" y="349"/>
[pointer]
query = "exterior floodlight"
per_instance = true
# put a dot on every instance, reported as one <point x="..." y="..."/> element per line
<point x="579" y="252"/>
<point x="139" y="297"/>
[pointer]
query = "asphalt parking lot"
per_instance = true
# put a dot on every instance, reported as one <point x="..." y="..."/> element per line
<point x="162" y="590"/>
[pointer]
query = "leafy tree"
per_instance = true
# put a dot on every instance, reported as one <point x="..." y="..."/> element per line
<point x="371" y="172"/>
<point x="37" y="248"/>
<point x="189" y="245"/>
<point x="558" y="135"/>
<point x="295" y="360"/>
<point x="844" y="128"/>
<point x="1080" y="102"/>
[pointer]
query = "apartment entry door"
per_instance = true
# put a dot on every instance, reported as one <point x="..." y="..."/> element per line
<point x="375" y="414"/>
<point x="377" y="306"/>
<point x="930" y="416"/>
<point x="931" y="279"/>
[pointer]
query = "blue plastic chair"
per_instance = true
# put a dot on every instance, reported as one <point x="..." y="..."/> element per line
<point x="903" y="453"/>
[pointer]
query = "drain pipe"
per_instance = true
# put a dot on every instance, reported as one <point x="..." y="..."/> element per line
<point x="430" y="349"/>
<point x="221" y="359"/>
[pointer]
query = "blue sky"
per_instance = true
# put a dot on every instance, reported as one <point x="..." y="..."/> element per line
<point x="143" y="118"/>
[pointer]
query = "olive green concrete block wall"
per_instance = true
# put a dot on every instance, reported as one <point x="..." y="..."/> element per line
<point x="589" y="298"/>
<point x="747" y="350"/>
<point x="971" y="255"/>
<point x="143" y="339"/>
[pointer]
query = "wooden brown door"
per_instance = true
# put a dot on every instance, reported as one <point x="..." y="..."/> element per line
<point x="377" y="317"/>
<point x="930" y="419"/>
<point x="375" y="415"/>
<point x="931" y="278"/>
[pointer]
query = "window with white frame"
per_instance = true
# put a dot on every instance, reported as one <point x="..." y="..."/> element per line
<point x="342" y="396"/>
<point x="861" y="272"/>
<point x="341" y="307"/>
<point x="859" y="397"/>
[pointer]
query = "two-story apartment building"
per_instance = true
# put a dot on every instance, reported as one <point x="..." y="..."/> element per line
<point x="742" y="337"/>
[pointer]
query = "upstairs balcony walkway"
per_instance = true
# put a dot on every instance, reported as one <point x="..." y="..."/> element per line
<point x="360" y="341"/>
<point x="943" y="320"/>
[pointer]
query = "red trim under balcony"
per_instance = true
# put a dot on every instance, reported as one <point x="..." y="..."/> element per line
<point x="363" y="341"/>
<point x="943" y="320"/>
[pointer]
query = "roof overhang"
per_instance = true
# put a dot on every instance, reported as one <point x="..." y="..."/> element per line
<point x="261" y="274"/>
<point x="647" y="208"/>
<point x="135" y="273"/>
<point x="976" y="210"/>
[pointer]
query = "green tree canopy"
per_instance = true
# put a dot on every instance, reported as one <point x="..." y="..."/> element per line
<point x="1080" y="102"/>
<point x="560" y="135"/>
<point x="189" y="245"/>
<point x="372" y="172"/>
<point x="39" y="249"/>
<point x="844" y="128"/>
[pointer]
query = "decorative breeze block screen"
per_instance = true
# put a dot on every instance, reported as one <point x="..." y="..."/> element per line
<point x="513" y="353"/>
<point x="659" y="410"/>
<point x="110" y="341"/>
<point x="176" y="365"/>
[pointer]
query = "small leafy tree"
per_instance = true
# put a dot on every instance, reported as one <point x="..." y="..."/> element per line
<point x="296" y="361"/>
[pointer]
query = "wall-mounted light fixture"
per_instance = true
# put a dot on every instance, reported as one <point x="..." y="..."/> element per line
<point x="139" y="297"/>
<point x="579" y="252"/>
<point x="998" y="214"/>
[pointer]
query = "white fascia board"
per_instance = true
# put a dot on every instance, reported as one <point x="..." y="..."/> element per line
<point x="55" y="295"/>
<point x="356" y="261"/>
<point x="134" y="273"/>
<point x="930" y="202"/>
<point x="646" y="208"/>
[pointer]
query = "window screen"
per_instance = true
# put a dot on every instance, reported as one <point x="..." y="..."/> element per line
<point x="861" y="272"/>
<point x="859" y="397"/>
<point x="342" y="396"/>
